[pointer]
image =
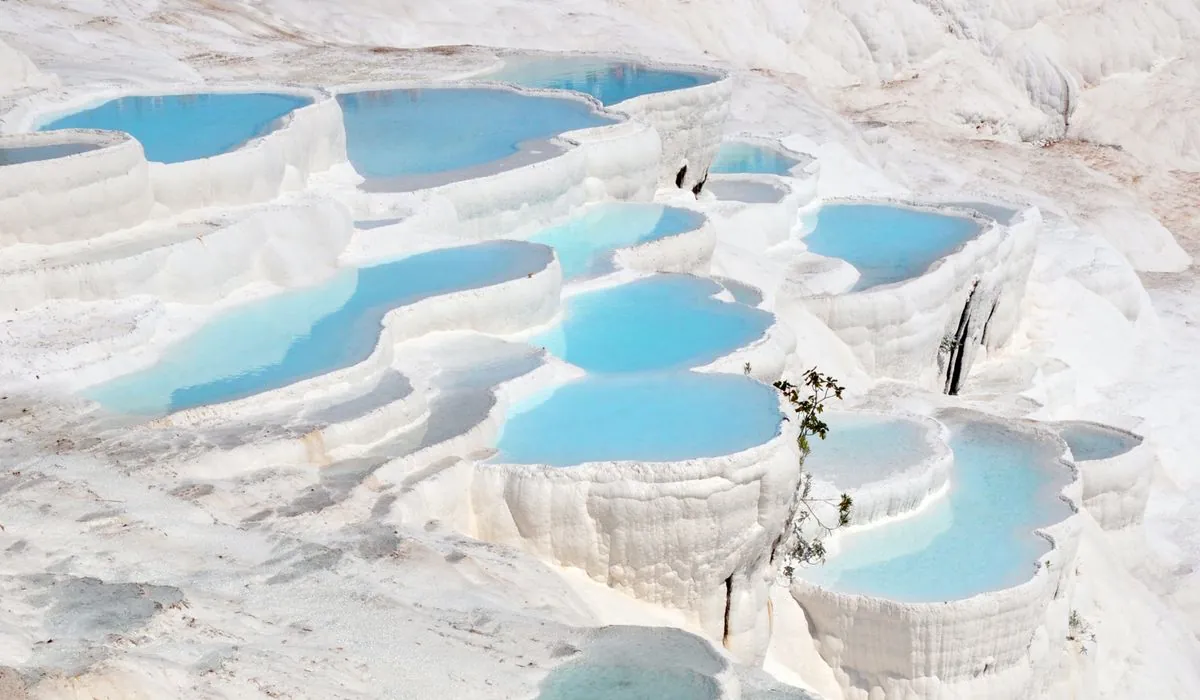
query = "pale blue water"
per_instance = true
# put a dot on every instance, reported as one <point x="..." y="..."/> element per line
<point x="585" y="244"/>
<point x="861" y="448"/>
<point x="656" y="323"/>
<point x="978" y="538"/>
<point x="608" y="81"/>
<point x="1089" y="442"/>
<point x="736" y="157"/>
<point x="175" y="128"/>
<point x="649" y="417"/>
<point x="586" y="681"/>
<point x="29" y="154"/>
<point x="299" y="334"/>
<point x="887" y="243"/>
<point x="420" y="131"/>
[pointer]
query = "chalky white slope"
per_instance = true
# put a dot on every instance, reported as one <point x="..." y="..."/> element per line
<point x="195" y="590"/>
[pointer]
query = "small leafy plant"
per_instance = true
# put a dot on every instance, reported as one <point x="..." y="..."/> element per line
<point x="1079" y="631"/>
<point x="808" y="400"/>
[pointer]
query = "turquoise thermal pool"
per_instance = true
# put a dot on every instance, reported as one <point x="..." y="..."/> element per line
<point x="609" y="81"/>
<point x="862" y="448"/>
<point x="649" y="417"/>
<point x="31" y="154"/>
<point x="299" y="334"/>
<point x="743" y="157"/>
<point x="585" y="243"/>
<point x="979" y="537"/>
<point x="176" y="128"/>
<point x="626" y="682"/>
<point x="1089" y="441"/>
<point x="887" y="243"/>
<point x="656" y="323"/>
<point x="748" y="191"/>
<point x="408" y="138"/>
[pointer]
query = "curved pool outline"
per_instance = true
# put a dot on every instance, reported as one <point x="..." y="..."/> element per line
<point x="844" y="624"/>
<point x="605" y="400"/>
<point x="900" y="493"/>
<point x="297" y="387"/>
<point x="985" y="226"/>
<point x="715" y="74"/>
<point x="802" y="163"/>
<point x="91" y="143"/>
<point x="557" y="143"/>
<point x="605" y="259"/>
<point x="753" y="186"/>
<point x="21" y="155"/>
<point x="1068" y="495"/>
<point x="593" y="319"/>
<point x="115" y="165"/>
<point x="1130" y="440"/>
<point x="37" y="118"/>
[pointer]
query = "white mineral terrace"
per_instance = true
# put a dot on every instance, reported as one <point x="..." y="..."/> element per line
<point x="335" y="368"/>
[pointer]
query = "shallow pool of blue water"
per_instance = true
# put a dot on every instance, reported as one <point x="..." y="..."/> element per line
<point x="585" y="681"/>
<point x="585" y="243"/>
<point x="1090" y="442"/>
<point x="861" y="448"/>
<point x="656" y="323"/>
<point x="423" y="131"/>
<point x="175" y="128"/>
<point x="736" y="157"/>
<point x="609" y="81"/>
<point x="648" y="417"/>
<point x="303" y="333"/>
<point x="887" y="243"/>
<point x="30" y="154"/>
<point x="978" y="538"/>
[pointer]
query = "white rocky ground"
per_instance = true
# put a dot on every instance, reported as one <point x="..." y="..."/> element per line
<point x="122" y="578"/>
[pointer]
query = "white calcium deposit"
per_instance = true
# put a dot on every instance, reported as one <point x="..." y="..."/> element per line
<point x="349" y="536"/>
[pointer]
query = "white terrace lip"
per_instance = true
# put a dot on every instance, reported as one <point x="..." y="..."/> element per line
<point x="688" y="120"/>
<point x="502" y="307"/>
<point x="36" y="114"/>
<point x="163" y="259"/>
<point x="897" y="330"/>
<point x="875" y="642"/>
<point x="308" y="139"/>
<point x="617" y="160"/>
<point x="899" y="493"/>
<point x="806" y="164"/>
<point x="556" y="145"/>
<point x="988" y="229"/>
<point x="737" y="506"/>
<point x="91" y="137"/>
<point x="1115" y="489"/>
<point x="717" y="74"/>
<point x="94" y="192"/>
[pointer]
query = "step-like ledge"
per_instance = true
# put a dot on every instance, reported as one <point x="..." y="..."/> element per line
<point x="100" y="183"/>
<point x="306" y="140"/>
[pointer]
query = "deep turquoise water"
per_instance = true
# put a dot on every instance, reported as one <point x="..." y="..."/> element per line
<point x="175" y="128"/>
<point x="978" y="538"/>
<point x="887" y="243"/>
<point x="736" y="157"/>
<point x="648" y="417"/>
<point x="29" y="154"/>
<point x="862" y="448"/>
<point x="585" y="244"/>
<point x="608" y="81"/>
<point x="1089" y="442"/>
<point x="655" y="323"/>
<point x="421" y="131"/>
<point x="303" y="333"/>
